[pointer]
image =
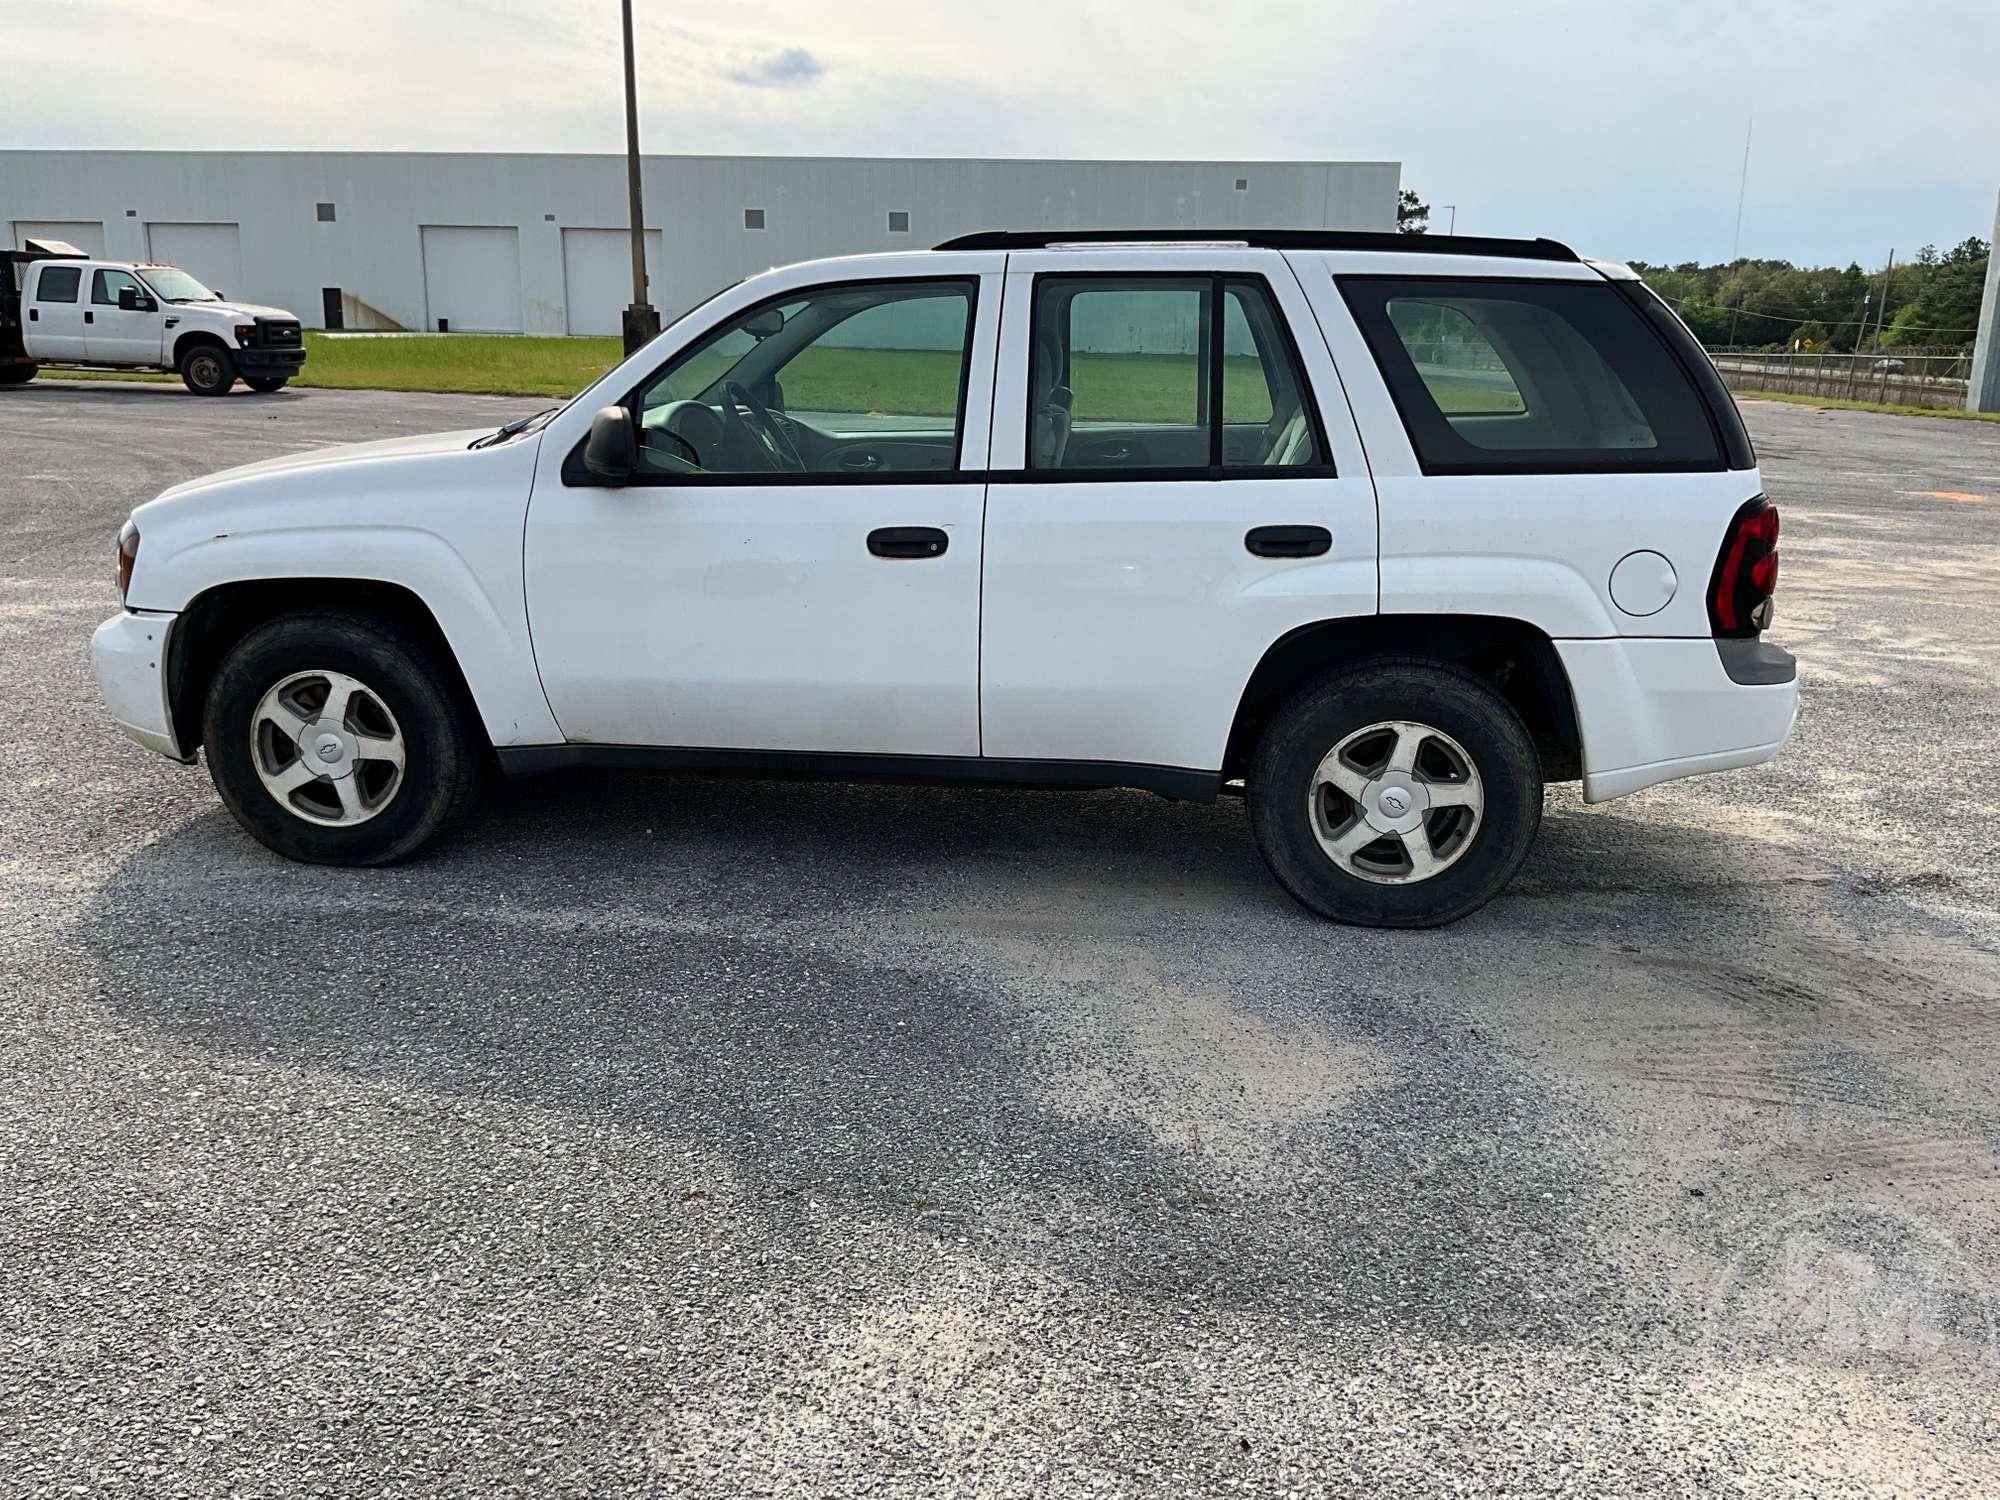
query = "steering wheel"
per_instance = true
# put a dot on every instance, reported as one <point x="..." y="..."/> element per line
<point x="746" y="411"/>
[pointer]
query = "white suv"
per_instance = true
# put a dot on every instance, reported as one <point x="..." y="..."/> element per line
<point x="1386" y="532"/>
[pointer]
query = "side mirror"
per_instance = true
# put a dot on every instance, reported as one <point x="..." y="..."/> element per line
<point x="131" y="299"/>
<point x="611" y="452"/>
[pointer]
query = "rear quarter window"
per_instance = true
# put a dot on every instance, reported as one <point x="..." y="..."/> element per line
<point x="1498" y="376"/>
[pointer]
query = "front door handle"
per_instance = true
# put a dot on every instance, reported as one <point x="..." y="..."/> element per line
<point x="1289" y="541"/>
<point x="90" y="317"/>
<point x="907" y="541"/>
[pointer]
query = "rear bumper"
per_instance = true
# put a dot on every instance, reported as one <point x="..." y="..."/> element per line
<point x="129" y="652"/>
<point x="1654" y="710"/>
<point x="263" y="362"/>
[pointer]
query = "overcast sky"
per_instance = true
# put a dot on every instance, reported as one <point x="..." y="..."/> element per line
<point x="1616" y="127"/>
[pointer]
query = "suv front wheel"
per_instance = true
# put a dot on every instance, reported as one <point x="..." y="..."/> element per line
<point x="339" y="739"/>
<point x="1396" y="793"/>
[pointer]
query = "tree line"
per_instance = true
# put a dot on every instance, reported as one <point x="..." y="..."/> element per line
<point x="1931" y="302"/>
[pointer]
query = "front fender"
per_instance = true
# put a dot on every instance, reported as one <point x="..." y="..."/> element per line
<point x="445" y="525"/>
<point x="487" y="636"/>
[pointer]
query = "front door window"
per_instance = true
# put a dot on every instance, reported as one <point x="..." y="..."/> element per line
<point x="848" y="381"/>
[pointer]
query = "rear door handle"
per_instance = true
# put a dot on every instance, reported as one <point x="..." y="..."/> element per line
<point x="90" y="317"/>
<point x="1288" y="541"/>
<point x="907" y="541"/>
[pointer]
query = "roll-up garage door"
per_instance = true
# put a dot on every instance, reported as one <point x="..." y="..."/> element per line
<point x="472" y="278"/>
<point x="211" y="253"/>
<point x="86" y="234"/>
<point x="597" y="276"/>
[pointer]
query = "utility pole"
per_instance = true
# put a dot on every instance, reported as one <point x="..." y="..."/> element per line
<point x="1452" y="209"/>
<point x="642" y="319"/>
<point x="1882" y="307"/>
<point x="1982" y="391"/>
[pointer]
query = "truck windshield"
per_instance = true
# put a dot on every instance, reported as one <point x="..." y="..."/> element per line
<point x="172" y="284"/>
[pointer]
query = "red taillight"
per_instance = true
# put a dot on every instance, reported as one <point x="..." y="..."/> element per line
<point x="1746" y="572"/>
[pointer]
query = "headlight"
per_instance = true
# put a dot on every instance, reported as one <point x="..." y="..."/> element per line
<point x="128" y="554"/>
<point x="245" y="332"/>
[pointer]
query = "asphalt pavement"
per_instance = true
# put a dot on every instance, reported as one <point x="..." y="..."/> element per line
<point x="677" y="1135"/>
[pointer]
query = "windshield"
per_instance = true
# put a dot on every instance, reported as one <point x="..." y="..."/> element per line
<point x="172" y="284"/>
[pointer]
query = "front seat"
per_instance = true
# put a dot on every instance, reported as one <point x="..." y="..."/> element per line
<point x="1052" y="417"/>
<point x="1292" y="446"/>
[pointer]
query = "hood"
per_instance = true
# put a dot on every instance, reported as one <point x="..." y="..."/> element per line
<point x="343" y="454"/>
<point x="239" y="311"/>
<point x="231" y="309"/>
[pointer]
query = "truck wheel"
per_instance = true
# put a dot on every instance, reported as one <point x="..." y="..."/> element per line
<point x="207" y="370"/>
<point x="265" y="384"/>
<point x="1395" y="793"/>
<point x="18" y="374"/>
<point x="339" y="738"/>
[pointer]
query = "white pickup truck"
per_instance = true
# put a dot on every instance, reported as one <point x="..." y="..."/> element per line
<point x="59" y="306"/>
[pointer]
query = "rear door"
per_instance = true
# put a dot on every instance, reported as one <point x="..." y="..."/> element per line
<point x="1178" y="484"/>
<point x="114" y="335"/>
<point x="52" y="311"/>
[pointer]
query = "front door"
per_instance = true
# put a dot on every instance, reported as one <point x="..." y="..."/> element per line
<point x="112" y="334"/>
<point x="796" y="565"/>
<point x="55" y="309"/>
<point x="1192" y="490"/>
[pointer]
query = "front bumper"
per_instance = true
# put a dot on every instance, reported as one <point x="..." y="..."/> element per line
<point x="263" y="362"/>
<point x="129" y="652"/>
<point x="1652" y="710"/>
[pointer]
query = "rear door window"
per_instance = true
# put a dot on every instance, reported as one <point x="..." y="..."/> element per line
<point x="1500" y="377"/>
<point x="58" y="283"/>
<point x="1147" y="374"/>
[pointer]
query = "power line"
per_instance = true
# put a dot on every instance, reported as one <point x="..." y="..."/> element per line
<point x="1829" y="324"/>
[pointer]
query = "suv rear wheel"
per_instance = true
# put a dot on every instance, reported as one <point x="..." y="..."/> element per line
<point x="1396" y="793"/>
<point x="339" y="739"/>
<point x="207" y="370"/>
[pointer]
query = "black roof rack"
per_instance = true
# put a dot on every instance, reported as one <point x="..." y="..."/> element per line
<point x="1267" y="239"/>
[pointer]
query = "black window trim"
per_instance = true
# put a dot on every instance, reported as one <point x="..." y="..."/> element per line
<point x="576" y="476"/>
<point x="1397" y="384"/>
<point x="1723" y="415"/>
<point x="1214" y="471"/>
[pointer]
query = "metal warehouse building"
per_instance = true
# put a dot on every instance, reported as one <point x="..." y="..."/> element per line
<point x="537" y="243"/>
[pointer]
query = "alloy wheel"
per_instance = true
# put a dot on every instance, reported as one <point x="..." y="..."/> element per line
<point x="1396" y="802"/>
<point x="327" y="747"/>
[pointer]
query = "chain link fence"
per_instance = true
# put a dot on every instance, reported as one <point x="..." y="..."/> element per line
<point x="1903" y="377"/>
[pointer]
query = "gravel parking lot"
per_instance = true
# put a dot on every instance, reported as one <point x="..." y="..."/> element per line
<point x="681" y="1135"/>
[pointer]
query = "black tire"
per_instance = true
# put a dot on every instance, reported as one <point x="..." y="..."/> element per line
<point x="1321" y="716"/>
<point x="208" y="370"/>
<point x="443" y="759"/>
<point x="18" y="374"/>
<point x="263" y="385"/>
